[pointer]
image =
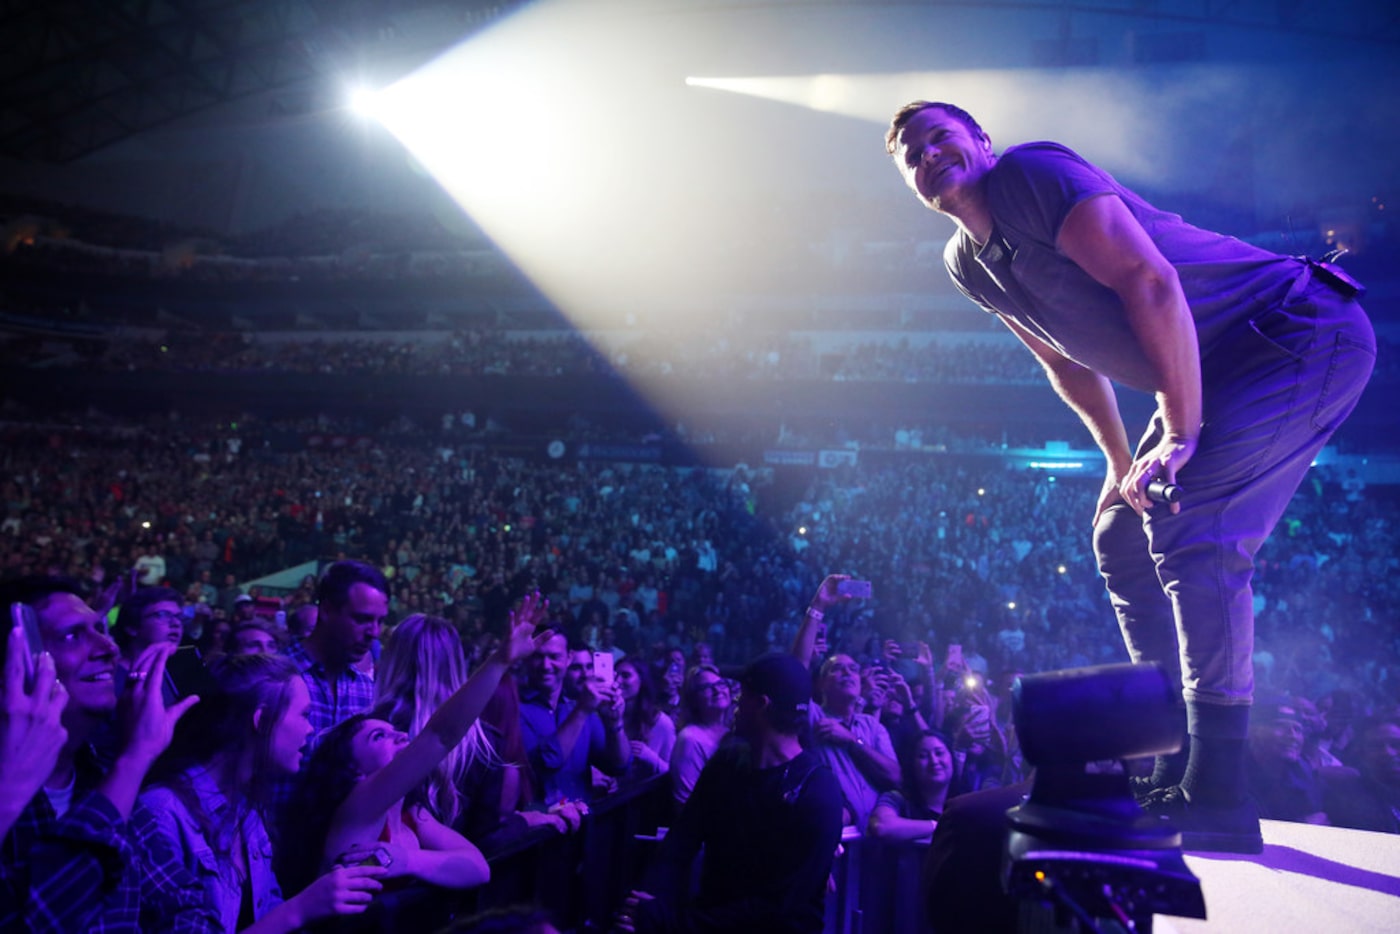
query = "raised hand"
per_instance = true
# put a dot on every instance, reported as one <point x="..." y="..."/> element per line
<point x="31" y="727"/>
<point x="150" y="725"/>
<point x="521" y="641"/>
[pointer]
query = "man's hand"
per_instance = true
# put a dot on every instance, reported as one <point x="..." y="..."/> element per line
<point x="829" y="593"/>
<point x="149" y="724"/>
<point x="1161" y="463"/>
<point x="604" y="698"/>
<point x="833" y="731"/>
<point x="31" y="727"/>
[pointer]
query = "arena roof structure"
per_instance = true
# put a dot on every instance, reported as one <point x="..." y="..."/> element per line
<point x="80" y="75"/>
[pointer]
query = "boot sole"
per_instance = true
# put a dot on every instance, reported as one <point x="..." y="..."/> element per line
<point x="1217" y="842"/>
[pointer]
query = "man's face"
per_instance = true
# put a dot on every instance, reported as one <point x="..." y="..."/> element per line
<point x="940" y="158"/>
<point x="250" y="640"/>
<point x="84" y="655"/>
<point x="352" y="626"/>
<point x="840" y="678"/>
<point x="159" y="622"/>
<point x="1278" y="740"/>
<point x="548" y="664"/>
<point x="1380" y="754"/>
<point x="580" y="668"/>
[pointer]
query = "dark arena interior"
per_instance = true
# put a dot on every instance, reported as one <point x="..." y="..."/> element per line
<point x="593" y="478"/>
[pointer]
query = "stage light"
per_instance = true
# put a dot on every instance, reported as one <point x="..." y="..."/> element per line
<point x="1081" y="843"/>
<point x="365" y="102"/>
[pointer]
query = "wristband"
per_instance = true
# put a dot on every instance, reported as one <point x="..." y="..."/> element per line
<point x="815" y="614"/>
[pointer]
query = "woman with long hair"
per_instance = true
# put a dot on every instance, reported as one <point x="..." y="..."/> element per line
<point x="209" y="794"/>
<point x="913" y="811"/>
<point x="357" y="799"/>
<point x="670" y="677"/>
<point x="706" y="707"/>
<point x="422" y="666"/>
<point x="652" y="732"/>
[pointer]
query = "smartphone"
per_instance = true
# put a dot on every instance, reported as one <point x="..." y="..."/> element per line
<point x="955" y="658"/>
<point x="187" y="672"/>
<point x="856" y="590"/>
<point x="603" y="667"/>
<point x="22" y="617"/>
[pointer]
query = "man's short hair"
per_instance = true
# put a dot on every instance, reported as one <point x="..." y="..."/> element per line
<point x="333" y="589"/>
<point x="36" y="588"/>
<point x="31" y="591"/>
<point x="908" y="111"/>
<point x="129" y="616"/>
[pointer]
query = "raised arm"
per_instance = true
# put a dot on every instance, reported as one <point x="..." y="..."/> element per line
<point x="361" y="816"/>
<point x="813" y="622"/>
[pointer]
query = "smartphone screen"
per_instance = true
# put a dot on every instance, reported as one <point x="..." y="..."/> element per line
<point x="603" y="667"/>
<point x="187" y="672"/>
<point x="22" y="617"/>
<point x="857" y="590"/>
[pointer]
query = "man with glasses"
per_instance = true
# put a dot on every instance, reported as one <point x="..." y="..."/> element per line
<point x="150" y="616"/>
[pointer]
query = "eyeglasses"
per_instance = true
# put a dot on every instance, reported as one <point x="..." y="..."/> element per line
<point x="715" y="686"/>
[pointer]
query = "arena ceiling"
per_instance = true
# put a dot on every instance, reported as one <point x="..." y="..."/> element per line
<point x="80" y="75"/>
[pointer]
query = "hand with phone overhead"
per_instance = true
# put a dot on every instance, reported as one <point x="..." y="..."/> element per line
<point x="31" y="725"/>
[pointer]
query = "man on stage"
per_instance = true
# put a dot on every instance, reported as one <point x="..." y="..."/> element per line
<point x="1254" y="360"/>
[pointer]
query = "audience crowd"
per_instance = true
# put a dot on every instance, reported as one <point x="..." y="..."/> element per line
<point x="490" y="647"/>
<point x="418" y="711"/>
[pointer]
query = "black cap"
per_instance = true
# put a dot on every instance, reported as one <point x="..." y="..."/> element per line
<point x="782" y="679"/>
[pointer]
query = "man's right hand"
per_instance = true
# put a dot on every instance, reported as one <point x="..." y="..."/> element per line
<point x="595" y="695"/>
<point x="31" y="727"/>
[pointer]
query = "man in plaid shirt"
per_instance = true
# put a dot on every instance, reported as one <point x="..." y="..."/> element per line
<point x="82" y="855"/>
<point x="352" y="601"/>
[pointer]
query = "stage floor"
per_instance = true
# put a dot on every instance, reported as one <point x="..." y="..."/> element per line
<point x="1307" y="879"/>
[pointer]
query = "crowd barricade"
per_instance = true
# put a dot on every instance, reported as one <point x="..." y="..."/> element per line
<point x="877" y="888"/>
<point x="583" y="878"/>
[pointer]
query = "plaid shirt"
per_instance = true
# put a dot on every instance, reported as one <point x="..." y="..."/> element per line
<point x="91" y="871"/>
<point x="331" y="702"/>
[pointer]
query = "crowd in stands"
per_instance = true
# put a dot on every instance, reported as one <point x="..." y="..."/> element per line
<point x="479" y="353"/>
<point x="450" y="694"/>
<point x="646" y="355"/>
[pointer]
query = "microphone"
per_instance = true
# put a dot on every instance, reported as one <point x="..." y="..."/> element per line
<point x="1160" y="491"/>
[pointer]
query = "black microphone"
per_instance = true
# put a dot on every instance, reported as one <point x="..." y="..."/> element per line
<point x="1160" y="491"/>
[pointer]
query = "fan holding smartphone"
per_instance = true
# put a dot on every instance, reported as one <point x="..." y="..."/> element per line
<point x="31" y="729"/>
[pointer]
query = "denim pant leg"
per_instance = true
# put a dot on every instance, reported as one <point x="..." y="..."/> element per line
<point x="1144" y="613"/>
<point x="1272" y="398"/>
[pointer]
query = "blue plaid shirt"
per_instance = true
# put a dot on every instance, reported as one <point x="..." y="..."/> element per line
<point x="91" y="871"/>
<point x="332" y="702"/>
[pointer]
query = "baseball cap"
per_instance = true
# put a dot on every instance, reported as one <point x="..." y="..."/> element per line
<point x="242" y="598"/>
<point x="782" y="679"/>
